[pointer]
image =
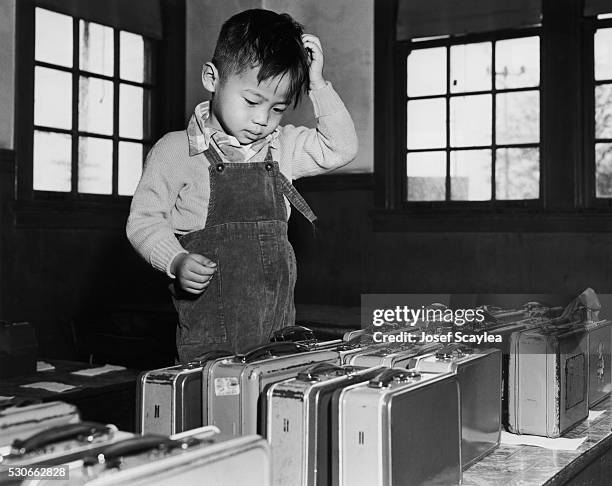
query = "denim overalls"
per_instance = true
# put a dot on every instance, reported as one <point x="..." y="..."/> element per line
<point x="251" y="293"/>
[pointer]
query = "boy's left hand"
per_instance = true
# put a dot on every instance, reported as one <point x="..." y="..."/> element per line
<point x="313" y="45"/>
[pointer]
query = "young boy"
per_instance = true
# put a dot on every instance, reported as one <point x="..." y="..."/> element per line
<point x="222" y="186"/>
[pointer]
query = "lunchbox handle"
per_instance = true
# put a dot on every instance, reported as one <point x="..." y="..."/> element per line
<point x="383" y="379"/>
<point x="314" y="372"/>
<point x="112" y="454"/>
<point x="451" y="351"/>
<point x="293" y="334"/>
<point x="356" y="342"/>
<point x="208" y="356"/>
<point x="60" y="433"/>
<point x="270" y="349"/>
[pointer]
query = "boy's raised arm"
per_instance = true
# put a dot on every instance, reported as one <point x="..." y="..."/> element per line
<point x="333" y="143"/>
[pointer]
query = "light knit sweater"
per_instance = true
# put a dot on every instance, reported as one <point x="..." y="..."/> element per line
<point x="173" y="193"/>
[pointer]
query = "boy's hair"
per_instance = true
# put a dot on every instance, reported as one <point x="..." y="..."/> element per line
<point x="266" y="39"/>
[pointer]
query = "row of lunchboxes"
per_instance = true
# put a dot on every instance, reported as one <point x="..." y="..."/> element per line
<point x="385" y="418"/>
<point x="341" y="413"/>
<point x="42" y="443"/>
<point x="330" y="423"/>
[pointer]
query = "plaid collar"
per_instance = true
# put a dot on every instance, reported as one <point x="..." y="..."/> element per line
<point x="200" y="134"/>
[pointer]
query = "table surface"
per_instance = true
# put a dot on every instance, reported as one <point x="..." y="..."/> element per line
<point x="108" y="398"/>
<point x="530" y="465"/>
<point x="84" y="385"/>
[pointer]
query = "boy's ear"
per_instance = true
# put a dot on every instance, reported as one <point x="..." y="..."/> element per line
<point x="210" y="77"/>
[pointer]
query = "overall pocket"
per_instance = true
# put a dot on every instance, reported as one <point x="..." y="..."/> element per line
<point x="201" y="316"/>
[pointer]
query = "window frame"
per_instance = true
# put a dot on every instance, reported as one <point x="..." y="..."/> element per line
<point x="591" y="25"/>
<point x="403" y="50"/>
<point x="29" y="199"/>
<point x="566" y="169"/>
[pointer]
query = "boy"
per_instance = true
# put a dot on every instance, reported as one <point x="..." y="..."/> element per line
<point x="222" y="186"/>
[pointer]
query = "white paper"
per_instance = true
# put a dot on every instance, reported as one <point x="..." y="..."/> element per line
<point x="560" y="444"/>
<point x="50" y="385"/>
<point x="593" y="414"/>
<point x="98" y="371"/>
<point x="44" y="366"/>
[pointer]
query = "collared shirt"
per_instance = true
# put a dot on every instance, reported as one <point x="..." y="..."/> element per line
<point x="200" y="133"/>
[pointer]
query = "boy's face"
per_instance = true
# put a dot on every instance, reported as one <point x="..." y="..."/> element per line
<point x="247" y="109"/>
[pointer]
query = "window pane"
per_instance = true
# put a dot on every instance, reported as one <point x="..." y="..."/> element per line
<point x="426" y="176"/>
<point x="517" y="63"/>
<point x="96" y="48"/>
<point x="134" y="65"/>
<point x="95" y="165"/>
<point x="130" y="167"/>
<point x="427" y="123"/>
<point x="52" y="98"/>
<point x="53" y="38"/>
<point x="603" y="54"/>
<point x="603" y="111"/>
<point x="470" y="120"/>
<point x="427" y="72"/>
<point x="470" y="175"/>
<point x="52" y="161"/>
<point x="603" y="167"/>
<point x="95" y="105"/>
<point x="131" y="111"/>
<point x="471" y="67"/>
<point x="517" y="173"/>
<point x="518" y="117"/>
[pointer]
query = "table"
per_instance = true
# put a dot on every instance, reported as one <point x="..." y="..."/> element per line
<point x="590" y="464"/>
<point x="106" y="398"/>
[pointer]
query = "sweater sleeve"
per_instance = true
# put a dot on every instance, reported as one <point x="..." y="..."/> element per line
<point x="332" y="144"/>
<point x="148" y="227"/>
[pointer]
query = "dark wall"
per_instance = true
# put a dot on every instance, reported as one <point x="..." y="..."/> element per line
<point x="347" y="257"/>
<point x="63" y="278"/>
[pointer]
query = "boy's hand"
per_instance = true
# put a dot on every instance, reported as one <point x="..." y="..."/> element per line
<point x="193" y="271"/>
<point x="312" y="44"/>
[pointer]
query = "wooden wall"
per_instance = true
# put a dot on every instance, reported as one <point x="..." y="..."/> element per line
<point x="347" y="257"/>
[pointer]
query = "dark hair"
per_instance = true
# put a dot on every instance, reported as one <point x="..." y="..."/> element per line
<point x="266" y="39"/>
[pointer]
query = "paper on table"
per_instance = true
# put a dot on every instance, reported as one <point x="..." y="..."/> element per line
<point x="44" y="366"/>
<point x="98" y="371"/>
<point x="50" y="385"/>
<point x="560" y="444"/>
<point x="593" y="414"/>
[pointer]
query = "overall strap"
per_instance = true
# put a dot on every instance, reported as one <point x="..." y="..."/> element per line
<point x="212" y="155"/>
<point x="292" y="194"/>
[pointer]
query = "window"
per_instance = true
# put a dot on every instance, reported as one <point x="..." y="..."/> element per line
<point x="603" y="111"/>
<point x="473" y="119"/>
<point x="92" y="106"/>
<point x="503" y="122"/>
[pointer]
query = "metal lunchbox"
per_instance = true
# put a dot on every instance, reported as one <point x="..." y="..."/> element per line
<point x="59" y="445"/>
<point x="20" y="419"/>
<point x="400" y="428"/>
<point x="195" y="457"/>
<point x="507" y="330"/>
<point x="600" y="362"/>
<point x="235" y="387"/>
<point x="547" y="380"/>
<point x="479" y="375"/>
<point x="298" y="425"/>
<point x="169" y="400"/>
<point x="397" y="355"/>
